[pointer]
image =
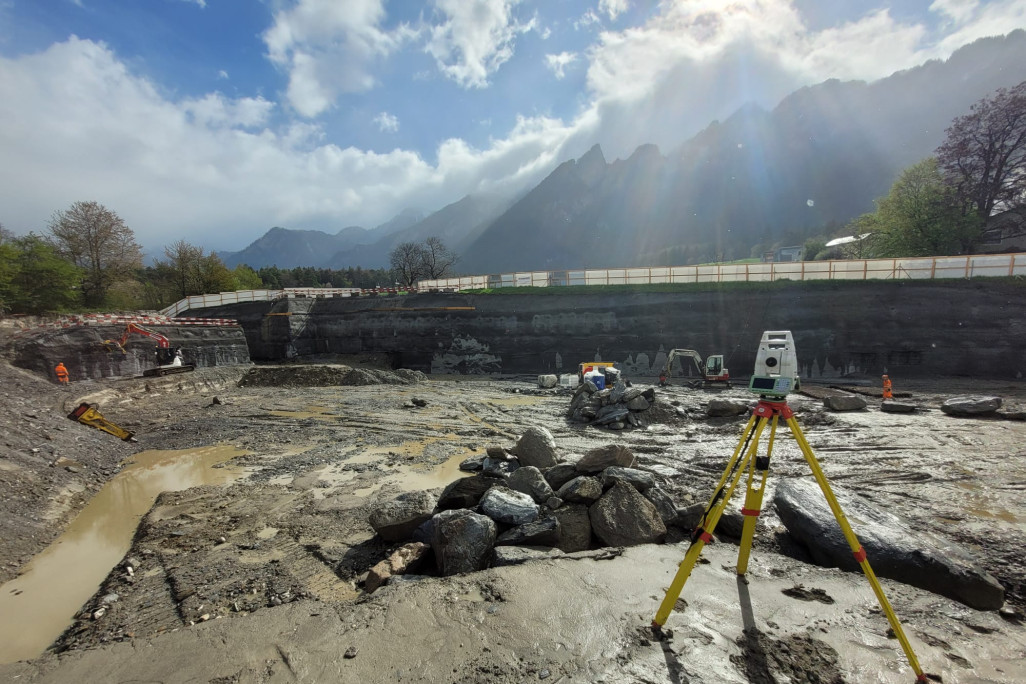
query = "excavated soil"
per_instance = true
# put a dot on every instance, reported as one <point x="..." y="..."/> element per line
<point x="259" y="579"/>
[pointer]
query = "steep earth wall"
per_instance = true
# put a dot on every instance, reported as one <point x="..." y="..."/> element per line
<point x="947" y="328"/>
<point x="82" y="351"/>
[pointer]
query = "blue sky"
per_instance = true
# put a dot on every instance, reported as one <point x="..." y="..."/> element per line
<point x="214" y="120"/>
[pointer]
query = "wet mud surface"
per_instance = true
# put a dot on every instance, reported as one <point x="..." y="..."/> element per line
<point x="259" y="580"/>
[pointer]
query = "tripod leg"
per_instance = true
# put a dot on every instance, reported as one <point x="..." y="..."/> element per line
<point x="753" y="498"/>
<point x="704" y="531"/>
<point x="856" y="547"/>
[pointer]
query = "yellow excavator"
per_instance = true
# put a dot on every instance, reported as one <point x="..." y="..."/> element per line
<point x="712" y="370"/>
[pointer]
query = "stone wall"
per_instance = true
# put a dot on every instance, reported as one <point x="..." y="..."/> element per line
<point x="948" y="328"/>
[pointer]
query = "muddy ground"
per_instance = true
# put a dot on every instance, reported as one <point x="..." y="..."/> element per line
<point x="259" y="580"/>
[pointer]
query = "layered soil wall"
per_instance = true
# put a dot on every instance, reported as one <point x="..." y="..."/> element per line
<point x="946" y="328"/>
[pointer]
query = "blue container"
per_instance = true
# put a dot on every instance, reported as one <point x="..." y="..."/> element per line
<point x="600" y="381"/>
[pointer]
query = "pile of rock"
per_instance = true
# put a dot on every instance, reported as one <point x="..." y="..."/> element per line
<point x="524" y="503"/>
<point x="614" y="407"/>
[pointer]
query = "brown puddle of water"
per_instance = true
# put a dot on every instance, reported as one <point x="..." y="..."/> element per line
<point x="40" y="604"/>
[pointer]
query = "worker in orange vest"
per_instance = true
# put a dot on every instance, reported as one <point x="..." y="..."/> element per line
<point x="887" y="394"/>
<point x="62" y="373"/>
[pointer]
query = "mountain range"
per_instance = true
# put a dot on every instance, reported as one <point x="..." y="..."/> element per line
<point x="817" y="160"/>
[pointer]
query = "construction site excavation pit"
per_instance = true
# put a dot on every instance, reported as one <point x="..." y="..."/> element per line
<point x="264" y="576"/>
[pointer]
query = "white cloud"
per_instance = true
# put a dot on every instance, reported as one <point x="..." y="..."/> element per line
<point x="958" y="11"/>
<point x="558" y="63"/>
<point x="330" y="48"/>
<point x="201" y="3"/>
<point x="387" y="122"/>
<point x="475" y="39"/>
<point x="222" y="75"/>
<point x="613" y="8"/>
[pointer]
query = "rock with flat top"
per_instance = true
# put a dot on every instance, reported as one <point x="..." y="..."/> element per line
<point x="971" y="406"/>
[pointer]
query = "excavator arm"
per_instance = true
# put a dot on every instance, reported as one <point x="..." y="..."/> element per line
<point x="675" y="354"/>
<point x="162" y="342"/>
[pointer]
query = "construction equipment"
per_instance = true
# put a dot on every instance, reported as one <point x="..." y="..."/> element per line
<point x="712" y="370"/>
<point x="169" y="359"/>
<point x="88" y="415"/>
<point x="772" y="381"/>
<point x="588" y="366"/>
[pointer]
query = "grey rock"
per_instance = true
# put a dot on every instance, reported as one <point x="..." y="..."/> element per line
<point x="639" y="479"/>
<point x="574" y="528"/>
<point x="619" y="389"/>
<point x="971" y="406"/>
<point x="553" y="502"/>
<point x="590" y="387"/>
<point x="499" y="467"/>
<point x="631" y="393"/>
<point x="462" y="541"/>
<point x="844" y="402"/>
<point x="496" y="452"/>
<point x="623" y="517"/>
<point x="473" y="464"/>
<point x="537" y="448"/>
<point x="396" y="520"/>
<point x="598" y="459"/>
<point x="530" y="481"/>
<point x="689" y="517"/>
<point x="895" y="548"/>
<point x="638" y="403"/>
<point x="516" y="555"/>
<point x="614" y="413"/>
<point x="559" y="475"/>
<point x="891" y="406"/>
<point x="665" y="506"/>
<point x="547" y="381"/>
<point x="722" y="408"/>
<point x="541" y="532"/>
<point x="466" y="492"/>
<point x="583" y="489"/>
<point x="509" y="507"/>
<point x="417" y="401"/>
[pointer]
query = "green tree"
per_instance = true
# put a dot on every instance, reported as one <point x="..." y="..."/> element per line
<point x="211" y="275"/>
<point x="246" y="278"/>
<point x="41" y="280"/>
<point x="8" y="269"/>
<point x="96" y="240"/>
<point x="183" y="264"/>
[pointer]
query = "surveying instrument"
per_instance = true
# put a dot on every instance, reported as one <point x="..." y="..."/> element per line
<point x="775" y="376"/>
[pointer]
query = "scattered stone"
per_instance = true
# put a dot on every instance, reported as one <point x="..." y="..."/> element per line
<point x="537" y="448"/>
<point x="559" y="475"/>
<point x="407" y="557"/>
<point x="574" y="528"/>
<point x="553" y="502"/>
<point x="724" y="408"/>
<point x="509" y="507"/>
<point x="541" y="532"/>
<point x="895" y="548"/>
<point x="530" y="481"/>
<point x="623" y="517"/>
<point x="496" y="452"/>
<point x="547" y="381"/>
<point x="638" y="403"/>
<point x="350" y="653"/>
<point x="844" y="402"/>
<point x="639" y="479"/>
<point x="499" y="467"/>
<point x="109" y="598"/>
<point x="376" y="576"/>
<point x="474" y="464"/>
<point x="971" y="406"/>
<point x="462" y="541"/>
<point x="466" y="492"/>
<point x="396" y="520"/>
<point x="418" y="402"/>
<point x="891" y="406"/>
<point x="597" y="460"/>
<point x="585" y="490"/>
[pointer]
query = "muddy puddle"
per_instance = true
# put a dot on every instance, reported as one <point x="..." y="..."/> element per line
<point x="37" y="606"/>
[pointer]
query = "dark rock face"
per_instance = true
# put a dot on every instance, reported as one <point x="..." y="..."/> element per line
<point x="623" y="517"/>
<point x="541" y="532"/>
<point x="597" y="460"/>
<point x="895" y="550"/>
<point x="396" y="520"/>
<point x="574" y="528"/>
<point x="537" y="448"/>
<point x="466" y="492"/>
<point x="971" y="406"/>
<point x="462" y="541"/>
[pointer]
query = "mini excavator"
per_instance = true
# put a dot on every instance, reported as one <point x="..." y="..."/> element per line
<point x="712" y="370"/>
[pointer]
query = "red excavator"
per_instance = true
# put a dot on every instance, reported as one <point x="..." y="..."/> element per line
<point x="169" y="359"/>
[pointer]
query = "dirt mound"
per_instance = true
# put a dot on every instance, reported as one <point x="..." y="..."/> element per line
<point x="327" y="376"/>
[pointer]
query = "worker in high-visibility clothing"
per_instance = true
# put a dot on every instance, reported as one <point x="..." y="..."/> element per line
<point x="887" y="394"/>
<point x="62" y="373"/>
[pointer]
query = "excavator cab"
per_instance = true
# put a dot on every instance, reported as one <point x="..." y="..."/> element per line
<point x="166" y="355"/>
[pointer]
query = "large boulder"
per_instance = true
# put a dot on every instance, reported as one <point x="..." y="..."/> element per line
<point x="665" y="506"/>
<point x="639" y="479"/>
<point x="613" y="413"/>
<point x="971" y="406"/>
<point x="509" y="507"/>
<point x="723" y="408"/>
<point x="397" y="519"/>
<point x="559" y="475"/>
<point x="891" y="406"/>
<point x="895" y="548"/>
<point x="499" y="467"/>
<point x="530" y="481"/>
<point x="598" y="459"/>
<point x="574" y="528"/>
<point x="623" y="517"/>
<point x="844" y="402"/>
<point x="466" y="492"/>
<point x="462" y="541"/>
<point x="537" y="448"/>
<point x="547" y="381"/>
<point x="583" y="489"/>
<point x="541" y="532"/>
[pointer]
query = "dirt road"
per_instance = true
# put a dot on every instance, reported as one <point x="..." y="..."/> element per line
<point x="258" y="580"/>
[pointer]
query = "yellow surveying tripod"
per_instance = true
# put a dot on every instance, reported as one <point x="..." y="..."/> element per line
<point x="769" y="411"/>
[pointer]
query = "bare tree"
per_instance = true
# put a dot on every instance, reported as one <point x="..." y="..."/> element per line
<point x="984" y="155"/>
<point x="407" y="261"/>
<point x="438" y="259"/>
<point x="97" y="240"/>
<point x="183" y="261"/>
